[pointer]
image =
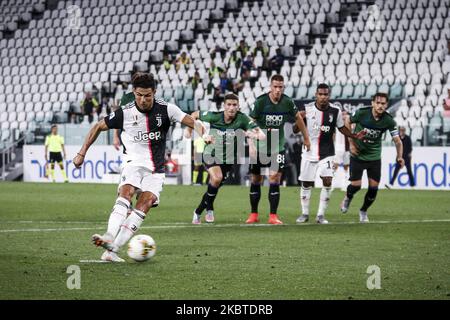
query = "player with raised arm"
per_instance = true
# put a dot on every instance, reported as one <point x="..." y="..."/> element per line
<point x="366" y="154"/>
<point x="144" y="124"/>
<point x="271" y="111"/>
<point x="228" y="131"/>
<point x="322" y="118"/>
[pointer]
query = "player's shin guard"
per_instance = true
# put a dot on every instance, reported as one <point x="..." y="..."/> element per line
<point x="370" y="197"/>
<point x="274" y="197"/>
<point x="118" y="216"/>
<point x="305" y="195"/>
<point x="255" y="196"/>
<point x="324" y="199"/>
<point x="129" y="228"/>
<point x="351" y="190"/>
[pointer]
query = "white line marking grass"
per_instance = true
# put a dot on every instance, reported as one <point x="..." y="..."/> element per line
<point x="230" y="225"/>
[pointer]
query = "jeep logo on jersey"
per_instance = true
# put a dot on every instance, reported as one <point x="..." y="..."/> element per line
<point x="145" y="136"/>
<point x="274" y="120"/>
<point x="321" y="128"/>
<point x="158" y="120"/>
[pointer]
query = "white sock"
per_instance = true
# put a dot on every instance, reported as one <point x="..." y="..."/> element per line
<point x="305" y="195"/>
<point x="129" y="228"/>
<point x="118" y="216"/>
<point x="324" y="199"/>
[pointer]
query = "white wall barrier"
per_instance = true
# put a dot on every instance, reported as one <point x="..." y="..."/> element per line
<point x="430" y="165"/>
<point x="100" y="161"/>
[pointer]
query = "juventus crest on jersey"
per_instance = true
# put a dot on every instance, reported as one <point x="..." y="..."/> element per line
<point x="143" y="134"/>
<point x="321" y="126"/>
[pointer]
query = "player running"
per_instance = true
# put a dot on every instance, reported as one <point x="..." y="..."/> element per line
<point x="271" y="111"/>
<point x="322" y="118"/>
<point x="228" y="131"/>
<point x="144" y="124"/>
<point x="366" y="154"/>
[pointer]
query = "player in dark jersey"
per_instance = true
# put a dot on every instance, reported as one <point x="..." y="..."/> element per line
<point x="228" y="130"/>
<point x="271" y="111"/>
<point x="366" y="154"/>
<point x="144" y="123"/>
<point x="322" y="118"/>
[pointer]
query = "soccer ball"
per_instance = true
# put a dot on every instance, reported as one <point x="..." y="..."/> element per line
<point x="141" y="248"/>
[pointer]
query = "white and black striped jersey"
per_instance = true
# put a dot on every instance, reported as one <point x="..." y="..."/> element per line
<point x="143" y="134"/>
<point x="321" y="126"/>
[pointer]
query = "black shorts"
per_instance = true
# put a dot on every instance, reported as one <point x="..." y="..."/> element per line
<point x="55" y="157"/>
<point x="277" y="163"/>
<point x="226" y="169"/>
<point x="357" y="168"/>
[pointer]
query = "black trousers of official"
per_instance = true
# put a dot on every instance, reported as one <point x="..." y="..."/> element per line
<point x="412" y="182"/>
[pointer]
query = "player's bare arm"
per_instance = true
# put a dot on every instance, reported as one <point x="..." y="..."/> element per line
<point x="399" y="147"/>
<point x="300" y="127"/>
<point x="188" y="130"/>
<point x="197" y="125"/>
<point x="255" y="133"/>
<point x="89" y="140"/>
<point x="346" y="131"/>
<point x="116" y="139"/>
<point x="352" y="145"/>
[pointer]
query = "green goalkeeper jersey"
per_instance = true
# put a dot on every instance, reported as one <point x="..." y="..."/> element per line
<point x="271" y="118"/>
<point x="228" y="139"/>
<point x="370" y="146"/>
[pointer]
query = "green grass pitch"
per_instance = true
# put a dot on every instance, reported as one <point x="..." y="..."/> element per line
<point x="45" y="228"/>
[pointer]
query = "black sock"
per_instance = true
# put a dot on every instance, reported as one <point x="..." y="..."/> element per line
<point x="207" y="200"/>
<point x="255" y="195"/>
<point x="351" y="190"/>
<point x="371" y="194"/>
<point x="274" y="197"/>
<point x="211" y="194"/>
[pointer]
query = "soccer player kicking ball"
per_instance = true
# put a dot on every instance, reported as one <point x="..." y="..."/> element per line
<point x="144" y="124"/>
<point x="271" y="111"/>
<point x="366" y="154"/>
<point x="322" y="118"/>
<point x="221" y="154"/>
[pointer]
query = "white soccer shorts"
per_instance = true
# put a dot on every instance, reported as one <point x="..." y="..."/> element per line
<point x="143" y="179"/>
<point x="309" y="169"/>
<point x="342" y="157"/>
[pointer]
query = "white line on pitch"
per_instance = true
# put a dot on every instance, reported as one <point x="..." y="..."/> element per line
<point x="226" y="225"/>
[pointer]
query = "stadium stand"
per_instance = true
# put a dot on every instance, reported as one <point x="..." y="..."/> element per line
<point x="357" y="47"/>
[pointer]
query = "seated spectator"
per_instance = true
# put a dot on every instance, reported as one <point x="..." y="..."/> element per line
<point x="183" y="59"/>
<point x="247" y="64"/>
<point x="88" y="105"/>
<point x="104" y="108"/>
<point x="264" y="53"/>
<point x="167" y="61"/>
<point x="446" y="105"/>
<point x="239" y="84"/>
<point x="195" y="80"/>
<point x="213" y="70"/>
<point x="243" y="48"/>
<point x="276" y="62"/>
<point x="218" y="50"/>
<point x="234" y="60"/>
<point x="225" y="83"/>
